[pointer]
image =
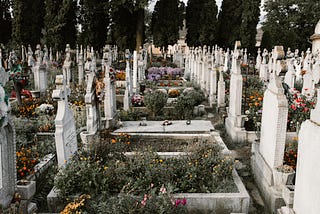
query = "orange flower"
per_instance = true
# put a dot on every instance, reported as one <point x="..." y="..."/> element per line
<point x="113" y="141"/>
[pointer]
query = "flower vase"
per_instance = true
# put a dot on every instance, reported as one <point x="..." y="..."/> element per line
<point x="281" y="178"/>
<point x="26" y="189"/>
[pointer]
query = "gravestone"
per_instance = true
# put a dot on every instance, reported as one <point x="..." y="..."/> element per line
<point x="308" y="82"/>
<point x="274" y="123"/>
<point x="40" y="72"/>
<point x="316" y="68"/>
<point x="110" y="108"/>
<point x="258" y="60"/>
<point x="269" y="153"/>
<point x="221" y="104"/>
<point x="7" y="148"/>
<point x="306" y="195"/>
<point x="226" y="61"/>
<point x="315" y="38"/>
<point x="65" y="134"/>
<point x="67" y="65"/>
<point x="126" y="98"/>
<point x="80" y="67"/>
<point x="213" y="86"/>
<point x="135" y="71"/>
<point x="289" y="77"/>
<point x="263" y="71"/>
<point x="92" y="112"/>
<point x="234" y="121"/>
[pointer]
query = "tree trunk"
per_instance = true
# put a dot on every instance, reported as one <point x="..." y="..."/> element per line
<point x="139" y="29"/>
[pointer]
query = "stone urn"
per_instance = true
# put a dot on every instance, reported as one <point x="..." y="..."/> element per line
<point x="26" y="189"/>
<point x="283" y="175"/>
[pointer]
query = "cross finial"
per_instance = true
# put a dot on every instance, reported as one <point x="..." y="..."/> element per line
<point x="62" y="92"/>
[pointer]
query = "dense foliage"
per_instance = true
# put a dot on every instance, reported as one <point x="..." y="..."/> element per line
<point x="229" y="21"/>
<point x="94" y="19"/>
<point x="106" y="172"/>
<point x="27" y="21"/>
<point x="5" y="21"/>
<point x="201" y="22"/>
<point x="250" y="19"/>
<point x="290" y="23"/>
<point x="167" y="19"/>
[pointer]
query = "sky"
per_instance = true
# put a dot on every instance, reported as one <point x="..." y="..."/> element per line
<point x="185" y="1"/>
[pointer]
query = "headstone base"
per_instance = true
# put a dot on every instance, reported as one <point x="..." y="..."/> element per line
<point x="264" y="180"/>
<point x="55" y="205"/>
<point x="235" y="130"/>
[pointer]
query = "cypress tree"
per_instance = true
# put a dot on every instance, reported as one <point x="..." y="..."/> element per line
<point x="51" y="33"/>
<point x="94" y="19"/>
<point x="229" y="21"/>
<point x="248" y="28"/>
<point x="201" y="22"/>
<point x="28" y="21"/>
<point x="167" y="18"/>
<point x="5" y="21"/>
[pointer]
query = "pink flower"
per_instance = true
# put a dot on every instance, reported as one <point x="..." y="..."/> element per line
<point x="144" y="201"/>
<point x="184" y="201"/>
<point x="178" y="201"/>
<point x="163" y="189"/>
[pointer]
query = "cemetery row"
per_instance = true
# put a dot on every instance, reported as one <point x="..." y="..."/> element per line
<point x="280" y="85"/>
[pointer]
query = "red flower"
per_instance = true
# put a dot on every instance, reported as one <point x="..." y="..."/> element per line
<point x="294" y="107"/>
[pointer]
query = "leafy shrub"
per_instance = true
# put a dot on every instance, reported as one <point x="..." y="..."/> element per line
<point x="155" y="102"/>
<point x="186" y="103"/>
<point x="205" y="170"/>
